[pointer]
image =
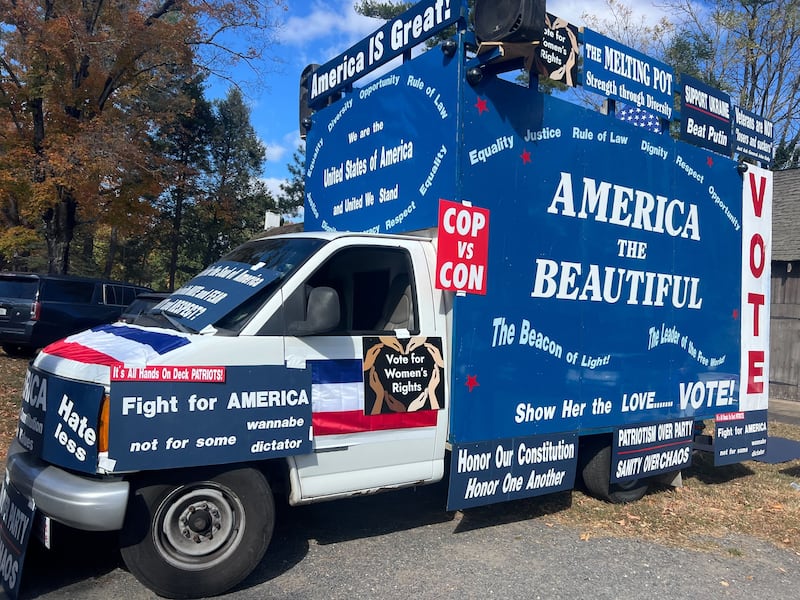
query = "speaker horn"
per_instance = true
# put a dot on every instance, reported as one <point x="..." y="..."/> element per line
<point x="518" y="21"/>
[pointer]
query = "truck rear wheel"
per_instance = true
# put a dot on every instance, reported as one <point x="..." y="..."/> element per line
<point x="596" y="473"/>
<point x="197" y="534"/>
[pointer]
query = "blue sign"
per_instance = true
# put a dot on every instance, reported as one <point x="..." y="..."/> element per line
<point x="645" y="450"/>
<point x="740" y="436"/>
<point x="252" y="413"/>
<point x="420" y="22"/>
<point x="58" y="418"/>
<point x="16" y="522"/>
<point x="500" y="470"/>
<point x="614" y="274"/>
<point x="215" y="291"/>
<point x="705" y="116"/>
<point x="616" y="71"/>
<point x="753" y="136"/>
<point x="380" y="160"/>
<point x="598" y="310"/>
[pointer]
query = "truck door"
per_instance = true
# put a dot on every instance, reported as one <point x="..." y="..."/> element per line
<point x="364" y="321"/>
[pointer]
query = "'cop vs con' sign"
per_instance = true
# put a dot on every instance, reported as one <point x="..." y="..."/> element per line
<point x="463" y="249"/>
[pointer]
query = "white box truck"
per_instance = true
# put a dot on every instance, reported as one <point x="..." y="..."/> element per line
<point x="492" y="283"/>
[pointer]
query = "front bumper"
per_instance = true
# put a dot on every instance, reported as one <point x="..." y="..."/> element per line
<point x="77" y="501"/>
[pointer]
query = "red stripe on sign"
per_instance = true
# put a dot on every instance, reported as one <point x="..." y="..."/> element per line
<point x="355" y="421"/>
<point x="80" y="353"/>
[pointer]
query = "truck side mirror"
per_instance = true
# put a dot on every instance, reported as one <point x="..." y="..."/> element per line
<point x="322" y="313"/>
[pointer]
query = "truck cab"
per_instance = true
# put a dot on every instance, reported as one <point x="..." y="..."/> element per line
<point x="306" y="304"/>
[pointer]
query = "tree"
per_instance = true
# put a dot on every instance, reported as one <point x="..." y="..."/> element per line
<point x="293" y="190"/>
<point x="232" y="206"/>
<point x="621" y="23"/>
<point x="755" y="57"/>
<point x="185" y="141"/>
<point x="82" y="86"/>
<point x="382" y="10"/>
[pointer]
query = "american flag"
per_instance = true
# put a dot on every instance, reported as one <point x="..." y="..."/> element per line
<point x="639" y="117"/>
<point x="337" y="400"/>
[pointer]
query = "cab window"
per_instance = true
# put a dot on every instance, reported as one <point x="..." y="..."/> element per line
<point x="370" y="289"/>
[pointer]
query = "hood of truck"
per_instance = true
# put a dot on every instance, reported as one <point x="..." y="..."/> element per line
<point x="89" y="355"/>
<point x="66" y="383"/>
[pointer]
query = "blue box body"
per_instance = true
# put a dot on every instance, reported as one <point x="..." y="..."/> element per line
<point x="550" y="363"/>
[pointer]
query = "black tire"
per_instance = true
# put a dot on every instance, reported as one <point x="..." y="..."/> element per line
<point x="18" y="351"/>
<point x="197" y="533"/>
<point x="596" y="473"/>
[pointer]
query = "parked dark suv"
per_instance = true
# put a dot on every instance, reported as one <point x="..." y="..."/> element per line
<point x="143" y="303"/>
<point x="36" y="310"/>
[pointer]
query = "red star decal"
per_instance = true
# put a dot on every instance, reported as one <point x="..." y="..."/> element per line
<point x="482" y="106"/>
<point x="472" y="382"/>
<point x="735" y="314"/>
<point x="526" y="157"/>
<point x="710" y="161"/>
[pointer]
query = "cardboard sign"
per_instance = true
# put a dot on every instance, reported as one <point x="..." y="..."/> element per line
<point x="16" y="519"/>
<point x="188" y="416"/>
<point x="706" y="116"/>
<point x="403" y="375"/>
<point x="510" y="469"/>
<point x="463" y="248"/>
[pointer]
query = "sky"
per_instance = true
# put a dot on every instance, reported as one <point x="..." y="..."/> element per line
<point x="315" y="31"/>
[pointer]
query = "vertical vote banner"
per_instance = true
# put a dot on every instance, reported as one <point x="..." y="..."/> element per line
<point x="742" y="434"/>
<point x="756" y="257"/>
<point x="463" y="249"/>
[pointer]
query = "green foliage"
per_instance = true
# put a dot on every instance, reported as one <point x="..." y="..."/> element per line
<point x="750" y="49"/>
<point x="235" y="199"/>
<point x="688" y="51"/>
<point x="292" y="195"/>
<point x="382" y="10"/>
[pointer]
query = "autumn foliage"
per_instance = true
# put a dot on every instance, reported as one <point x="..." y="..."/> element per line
<point x="85" y="87"/>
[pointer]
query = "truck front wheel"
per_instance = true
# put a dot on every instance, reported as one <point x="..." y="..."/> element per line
<point x="596" y="472"/>
<point x="198" y="533"/>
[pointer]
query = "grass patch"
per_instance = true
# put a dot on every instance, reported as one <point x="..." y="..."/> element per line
<point x="12" y="376"/>
<point x="714" y="504"/>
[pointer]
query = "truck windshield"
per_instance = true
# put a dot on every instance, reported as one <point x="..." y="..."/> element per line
<point x="226" y="294"/>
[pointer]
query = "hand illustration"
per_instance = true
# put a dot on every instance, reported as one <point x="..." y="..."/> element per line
<point x="394" y="404"/>
<point x="372" y="356"/>
<point x="393" y="343"/>
<point x="375" y="385"/>
<point x="415" y="343"/>
<point x="418" y="402"/>
<point x="431" y="391"/>
<point x="435" y="355"/>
